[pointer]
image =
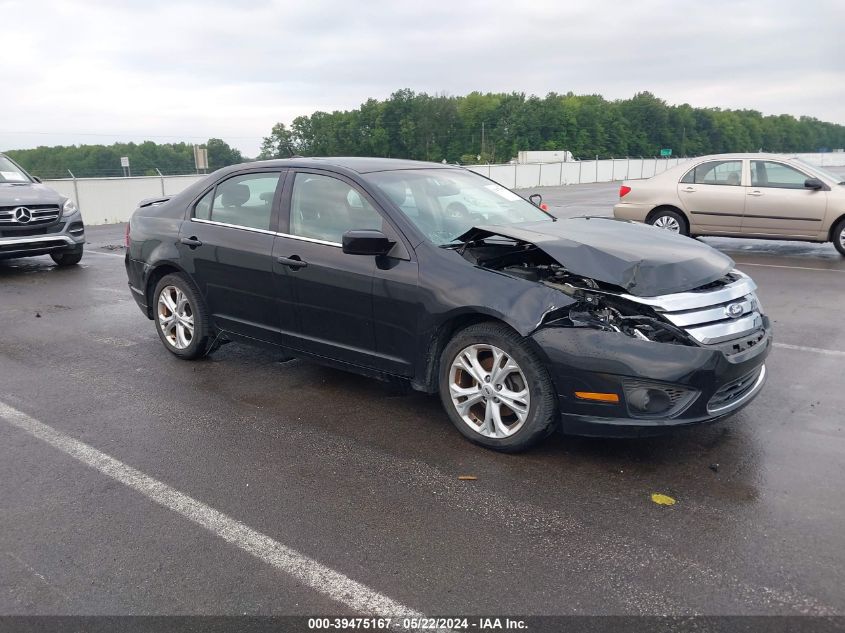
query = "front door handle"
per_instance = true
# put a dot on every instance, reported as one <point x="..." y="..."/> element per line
<point x="293" y="262"/>
<point x="191" y="242"/>
<point x="689" y="190"/>
<point x="755" y="193"/>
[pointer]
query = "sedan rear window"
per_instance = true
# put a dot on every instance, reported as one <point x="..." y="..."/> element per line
<point x="245" y="200"/>
<point x="715" y="172"/>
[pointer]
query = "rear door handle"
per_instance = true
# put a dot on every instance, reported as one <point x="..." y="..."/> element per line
<point x="293" y="262"/>
<point x="689" y="190"/>
<point x="191" y="242"/>
<point x="755" y="193"/>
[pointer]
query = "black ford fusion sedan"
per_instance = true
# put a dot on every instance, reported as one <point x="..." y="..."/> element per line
<point x="437" y="276"/>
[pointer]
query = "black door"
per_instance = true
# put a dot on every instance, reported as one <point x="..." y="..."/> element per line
<point x="333" y="290"/>
<point x="227" y="245"/>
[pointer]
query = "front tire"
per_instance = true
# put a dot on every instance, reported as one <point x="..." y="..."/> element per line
<point x="181" y="317"/>
<point x="67" y="258"/>
<point x="495" y="388"/>
<point x="669" y="220"/>
<point x="839" y="236"/>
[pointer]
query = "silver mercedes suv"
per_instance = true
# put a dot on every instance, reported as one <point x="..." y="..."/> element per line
<point x="36" y="220"/>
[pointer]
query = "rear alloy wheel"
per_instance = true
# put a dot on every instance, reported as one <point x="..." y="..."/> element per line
<point x="181" y="318"/>
<point x="495" y="389"/>
<point x="839" y="236"/>
<point x="670" y="221"/>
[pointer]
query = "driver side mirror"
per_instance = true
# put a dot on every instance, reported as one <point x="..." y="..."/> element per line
<point x="366" y="242"/>
<point x="813" y="183"/>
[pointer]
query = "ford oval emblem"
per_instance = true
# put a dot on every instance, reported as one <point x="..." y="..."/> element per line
<point x="734" y="310"/>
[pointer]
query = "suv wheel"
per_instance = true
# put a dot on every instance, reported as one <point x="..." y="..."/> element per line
<point x="67" y="258"/>
<point x="670" y="221"/>
<point x="495" y="388"/>
<point x="839" y="236"/>
<point x="181" y="317"/>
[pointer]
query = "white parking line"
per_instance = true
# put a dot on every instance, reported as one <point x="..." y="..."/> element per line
<point x="322" y="579"/>
<point x="815" y="350"/>
<point x="827" y="270"/>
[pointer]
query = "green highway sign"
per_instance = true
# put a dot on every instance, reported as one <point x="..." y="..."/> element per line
<point x="666" y="152"/>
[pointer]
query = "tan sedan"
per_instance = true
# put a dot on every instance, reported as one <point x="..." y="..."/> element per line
<point x="741" y="195"/>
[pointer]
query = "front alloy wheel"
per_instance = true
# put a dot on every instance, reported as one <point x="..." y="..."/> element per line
<point x="489" y="391"/>
<point x="496" y="389"/>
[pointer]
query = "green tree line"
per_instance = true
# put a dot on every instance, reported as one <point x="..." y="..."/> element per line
<point x="496" y="126"/>
<point x="86" y="161"/>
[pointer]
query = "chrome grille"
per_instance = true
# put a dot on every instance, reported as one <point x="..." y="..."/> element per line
<point x="40" y="213"/>
<point x="721" y="311"/>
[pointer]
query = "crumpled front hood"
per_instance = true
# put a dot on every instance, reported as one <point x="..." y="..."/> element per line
<point x="29" y="193"/>
<point x="643" y="260"/>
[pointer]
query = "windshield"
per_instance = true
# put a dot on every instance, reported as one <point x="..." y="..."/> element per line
<point x="444" y="203"/>
<point x="824" y="173"/>
<point x="9" y="172"/>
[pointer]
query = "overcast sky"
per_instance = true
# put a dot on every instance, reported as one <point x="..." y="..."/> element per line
<point x="184" y="70"/>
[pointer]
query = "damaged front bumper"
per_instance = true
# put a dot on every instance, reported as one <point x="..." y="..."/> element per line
<point x="689" y="384"/>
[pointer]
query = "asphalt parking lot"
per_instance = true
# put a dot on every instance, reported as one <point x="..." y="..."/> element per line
<point x="361" y="479"/>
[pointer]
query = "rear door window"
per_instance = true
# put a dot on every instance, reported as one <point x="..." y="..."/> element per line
<point x="243" y="201"/>
<point x="715" y="172"/>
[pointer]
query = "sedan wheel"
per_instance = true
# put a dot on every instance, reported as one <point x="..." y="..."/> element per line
<point x="489" y="391"/>
<point x="496" y="389"/>
<point x="180" y="316"/>
<point x="175" y="317"/>
<point x="669" y="220"/>
<point x="839" y="236"/>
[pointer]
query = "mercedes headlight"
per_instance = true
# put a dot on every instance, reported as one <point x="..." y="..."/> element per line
<point x="69" y="208"/>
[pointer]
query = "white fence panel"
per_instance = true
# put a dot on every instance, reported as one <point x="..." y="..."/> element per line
<point x="551" y="174"/>
<point x="604" y="171"/>
<point x="527" y="175"/>
<point x="505" y="175"/>
<point x="175" y="184"/>
<point x="571" y="173"/>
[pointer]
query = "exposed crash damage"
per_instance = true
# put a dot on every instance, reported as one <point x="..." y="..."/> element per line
<point x="690" y="314"/>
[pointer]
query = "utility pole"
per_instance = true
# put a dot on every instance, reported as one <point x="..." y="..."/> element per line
<point x="482" y="140"/>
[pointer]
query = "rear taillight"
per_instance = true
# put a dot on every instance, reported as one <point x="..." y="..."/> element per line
<point x="624" y="190"/>
<point x="544" y="206"/>
<point x="126" y="236"/>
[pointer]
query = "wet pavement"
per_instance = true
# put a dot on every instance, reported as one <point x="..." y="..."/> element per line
<point x="362" y="477"/>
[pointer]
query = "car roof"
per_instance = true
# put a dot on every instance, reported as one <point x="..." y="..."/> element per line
<point x="358" y="164"/>
<point x="741" y="155"/>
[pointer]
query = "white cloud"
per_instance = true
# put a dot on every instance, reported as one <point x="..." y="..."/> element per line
<point x="81" y="72"/>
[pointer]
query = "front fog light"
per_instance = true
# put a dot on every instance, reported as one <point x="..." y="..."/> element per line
<point x="656" y="400"/>
<point x="651" y="401"/>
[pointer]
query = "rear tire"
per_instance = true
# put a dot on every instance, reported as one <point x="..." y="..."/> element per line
<point x="495" y="388"/>
<point x="669" y="220"/>
<point x="181" y="317"/>
<point x="67" y="258"/>
<point x="839" y="236"/>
